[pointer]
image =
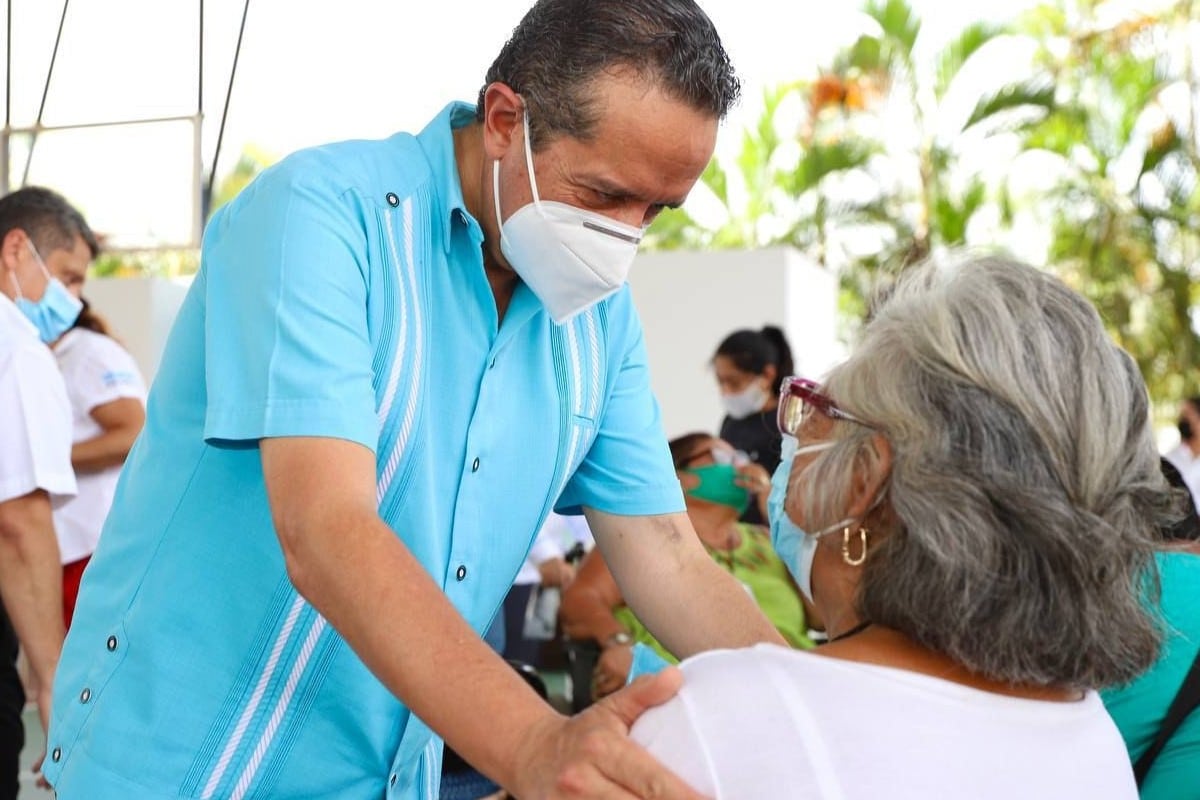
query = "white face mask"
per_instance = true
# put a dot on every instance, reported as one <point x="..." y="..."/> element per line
<point x="569" y="257"/>
<point x="796" y="547"/>
<point x="748" y="401"/>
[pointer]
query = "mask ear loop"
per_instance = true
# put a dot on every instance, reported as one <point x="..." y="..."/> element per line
<point x="537" y="200"/>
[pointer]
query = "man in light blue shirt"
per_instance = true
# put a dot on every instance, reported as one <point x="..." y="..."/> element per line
<point x="398" y="357"/>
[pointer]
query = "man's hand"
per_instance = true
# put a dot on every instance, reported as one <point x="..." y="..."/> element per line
<point x="612" y="669"/>
<point x="591" y="756"/>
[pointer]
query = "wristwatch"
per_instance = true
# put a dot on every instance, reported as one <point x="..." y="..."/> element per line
<point x="618" y="638"/>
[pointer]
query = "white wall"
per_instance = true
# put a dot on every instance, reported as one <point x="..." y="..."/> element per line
<point x="140" y="312"/>
<point x="689" y="302"/>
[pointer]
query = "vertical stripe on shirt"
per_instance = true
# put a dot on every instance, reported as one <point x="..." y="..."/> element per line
<point x="390" y="405"/>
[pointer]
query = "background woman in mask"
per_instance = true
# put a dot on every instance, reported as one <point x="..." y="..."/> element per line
<point x="592" y="605"/>
<point x="974" y="508"/>
<point x="108" y="407"/>
<point x="748" y="366"/>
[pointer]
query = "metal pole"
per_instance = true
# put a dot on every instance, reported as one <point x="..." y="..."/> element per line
<point x="212" y="175"/>
<point x="45" y="90"/>
<point x="5" y="137"/>
<point x="199" y="195"/>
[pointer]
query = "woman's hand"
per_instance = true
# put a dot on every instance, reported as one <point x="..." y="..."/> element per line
<point x="612" y="669"/>
<point x="754" y="478"/>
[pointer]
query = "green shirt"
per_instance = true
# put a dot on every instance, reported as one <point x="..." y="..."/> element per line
<point x="1138" y="708"/>
<point x="754" y="563"/>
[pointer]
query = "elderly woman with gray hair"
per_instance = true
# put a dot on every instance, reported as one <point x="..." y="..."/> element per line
<point x="972" y="502"/>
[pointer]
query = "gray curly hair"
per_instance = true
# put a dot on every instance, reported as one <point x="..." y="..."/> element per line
<point x="1025" y="481"/>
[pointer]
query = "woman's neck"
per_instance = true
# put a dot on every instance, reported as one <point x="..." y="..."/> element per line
<point x="886" y="647"/>
<point x="715" y="525"/>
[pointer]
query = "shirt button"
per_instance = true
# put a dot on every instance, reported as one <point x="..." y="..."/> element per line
<point x="461" y="573"/>
<point x="493" y="364"/>
<point x="85" y="695"/>
<point x="475" y="465"/>
<point x="112" y="643"/>
<point x="392" y="199"/>
<point x="392" y="780"/>
<point x="56" y="756"/>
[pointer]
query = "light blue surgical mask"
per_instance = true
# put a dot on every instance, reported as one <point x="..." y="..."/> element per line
<point x="796" y="547"/>
<point x="58" y="309"/>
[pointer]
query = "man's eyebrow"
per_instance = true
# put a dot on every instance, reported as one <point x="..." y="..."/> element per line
<point x="621" y="193"/>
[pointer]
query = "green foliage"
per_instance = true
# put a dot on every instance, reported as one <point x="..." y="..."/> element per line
<point x="1120" y="213"/>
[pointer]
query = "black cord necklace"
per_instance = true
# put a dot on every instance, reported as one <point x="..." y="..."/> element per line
<point x="859" y="628"/>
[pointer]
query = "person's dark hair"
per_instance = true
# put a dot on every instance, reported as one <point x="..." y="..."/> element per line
<point x="682" y="446"/>
<point x="1187" y="527"/>
<point x="47" y="218"/>
<point x="561" y="46"/>
<point x="751" y="351"/>
<point x="1194" y="402"/>
<point x="88" y="319"/>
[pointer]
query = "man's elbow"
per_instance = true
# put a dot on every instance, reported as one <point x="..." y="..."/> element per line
<point x="26" y="516"/>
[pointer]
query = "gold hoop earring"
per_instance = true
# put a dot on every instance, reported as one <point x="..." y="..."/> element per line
<point x="862" y="535"/>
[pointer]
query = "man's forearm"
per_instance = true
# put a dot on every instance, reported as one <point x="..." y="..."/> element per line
<point x="31" y="585"/>
<point x="705" y="609"/>
<point x="688" y="602"/>
<point x="426" y="654"/>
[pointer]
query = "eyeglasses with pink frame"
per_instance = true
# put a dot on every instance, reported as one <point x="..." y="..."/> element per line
<point x="797" y="396"/>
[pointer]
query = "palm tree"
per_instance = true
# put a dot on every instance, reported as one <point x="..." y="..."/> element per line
<point x="1125" y="212"/>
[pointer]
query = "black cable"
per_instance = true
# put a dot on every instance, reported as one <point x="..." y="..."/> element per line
<point x="208" y="189"/>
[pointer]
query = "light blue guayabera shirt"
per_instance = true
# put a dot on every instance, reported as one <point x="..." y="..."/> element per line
<point x="343" y="295"/>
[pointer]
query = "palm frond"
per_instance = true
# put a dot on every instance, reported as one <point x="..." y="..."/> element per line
<point x="1032" y="94"/>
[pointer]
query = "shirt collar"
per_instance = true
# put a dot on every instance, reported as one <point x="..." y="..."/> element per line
<point x="11" y="319"/>
<point x="437" y="140"/>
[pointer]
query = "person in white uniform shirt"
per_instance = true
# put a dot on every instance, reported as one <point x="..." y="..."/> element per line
<point x="108" y="407"/>
<point x="530" y="610"/>
<point x="39" y="231"/>
<point x="1186" y="455"/>
<point x="972" y="503"/>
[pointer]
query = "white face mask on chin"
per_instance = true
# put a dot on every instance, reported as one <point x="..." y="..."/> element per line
<point x="745" y="403"/>
<point x="569" y="257"/>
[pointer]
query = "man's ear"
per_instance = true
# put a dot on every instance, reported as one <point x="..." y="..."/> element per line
<point x="687" y="480"/>
<point x="869" y="481"/>
<point x="13" y="248"/>
<point x="502" y="110"/>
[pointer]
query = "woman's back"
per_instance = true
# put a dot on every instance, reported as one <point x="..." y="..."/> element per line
<point x="769" y="722"/>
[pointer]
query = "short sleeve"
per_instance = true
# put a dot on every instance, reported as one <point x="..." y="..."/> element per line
<point x="35" y="427"/>
<point x="106" y="372"/>
<point x="628" y="469"/>
<point x="287" y="347"/>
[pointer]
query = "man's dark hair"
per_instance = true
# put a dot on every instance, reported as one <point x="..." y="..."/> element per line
<point x="561" y="46"/>
<point x="47" y="218"/>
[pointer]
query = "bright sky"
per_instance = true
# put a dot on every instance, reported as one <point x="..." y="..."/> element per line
<point x="312" y="72"/>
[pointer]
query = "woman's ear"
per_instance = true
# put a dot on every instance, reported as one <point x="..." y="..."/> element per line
<point x="871" y="474"/>
<point x="771" y="374"/>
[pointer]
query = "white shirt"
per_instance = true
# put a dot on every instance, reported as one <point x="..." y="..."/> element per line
<point x="768" y="722"/>
<point x="97" y="371"/>
<point x="35" y="418"/>
<point x="558" y="535"/>
<point x="1188" y="465"/>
